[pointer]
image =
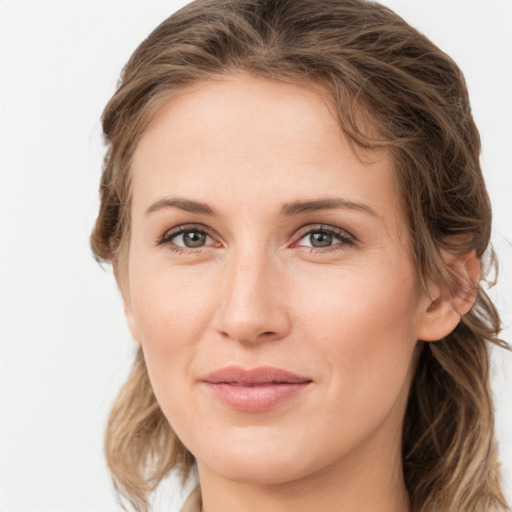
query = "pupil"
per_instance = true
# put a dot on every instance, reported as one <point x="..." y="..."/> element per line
<point x="194" y="238"/>
<point x="320" y="239"/>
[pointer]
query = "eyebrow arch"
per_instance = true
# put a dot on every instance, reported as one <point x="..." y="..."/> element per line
<point x="289" y="209"/>
<point x="299" y="207"/>
<point x="183" y="204"/>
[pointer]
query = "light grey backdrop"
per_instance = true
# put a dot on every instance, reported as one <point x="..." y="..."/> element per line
<point x="64" y="347"/>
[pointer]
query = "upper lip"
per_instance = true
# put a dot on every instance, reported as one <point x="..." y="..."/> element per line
<point x="260" y="375"/>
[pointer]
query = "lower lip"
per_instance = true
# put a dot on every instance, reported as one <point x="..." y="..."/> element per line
<point x="256" y="398"/>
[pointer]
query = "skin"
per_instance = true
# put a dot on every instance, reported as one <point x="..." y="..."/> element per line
<point x="348" y="315"/>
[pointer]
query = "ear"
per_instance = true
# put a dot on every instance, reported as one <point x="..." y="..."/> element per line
<point x="445" y="307"/>
<point x="132" y="322"/>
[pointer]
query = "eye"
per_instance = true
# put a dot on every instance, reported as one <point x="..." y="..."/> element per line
<point x="187" y="237"/>
<point x="191" y="239"/>
<point x="323" y="237"/>
<point x="320" y="239"/>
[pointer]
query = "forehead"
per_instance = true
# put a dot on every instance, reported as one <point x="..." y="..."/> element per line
<point x="220" y="112"/>
<point x="259" y="138"/>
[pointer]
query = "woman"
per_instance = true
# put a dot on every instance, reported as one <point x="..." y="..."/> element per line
<point x="293" y="205"/>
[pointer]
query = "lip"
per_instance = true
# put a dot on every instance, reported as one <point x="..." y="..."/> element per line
<point x="255" y="390"/>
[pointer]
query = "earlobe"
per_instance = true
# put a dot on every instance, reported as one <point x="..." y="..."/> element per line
<point x="448" y="304"/>
<point x="132" y="324"/>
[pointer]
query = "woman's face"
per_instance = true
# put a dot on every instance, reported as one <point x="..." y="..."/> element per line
<point x="261" y="242"/>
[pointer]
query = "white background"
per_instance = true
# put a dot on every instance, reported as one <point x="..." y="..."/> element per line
<point x="64" y="348"/>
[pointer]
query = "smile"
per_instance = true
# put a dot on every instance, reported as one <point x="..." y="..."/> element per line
<point x="255" y="390"/>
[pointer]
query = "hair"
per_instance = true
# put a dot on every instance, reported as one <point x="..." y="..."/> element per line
<point x="373" y="67"/>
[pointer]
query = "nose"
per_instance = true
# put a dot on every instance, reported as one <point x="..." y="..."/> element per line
<point x="253" y="303"/>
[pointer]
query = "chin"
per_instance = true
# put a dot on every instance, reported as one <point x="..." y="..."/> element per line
<point x="270" y="461"/>
<point x="260" y="470"/>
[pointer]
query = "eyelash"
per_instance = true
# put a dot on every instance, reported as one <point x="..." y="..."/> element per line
<point x="173" y="233"/>
<point x="345" y="238"/>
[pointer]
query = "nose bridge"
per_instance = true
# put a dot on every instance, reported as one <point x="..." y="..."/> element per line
<point x="253" y="306"/>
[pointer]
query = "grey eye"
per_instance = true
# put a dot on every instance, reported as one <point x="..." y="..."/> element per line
<point x="320" y="239"/>
<point x="191" y="239"/>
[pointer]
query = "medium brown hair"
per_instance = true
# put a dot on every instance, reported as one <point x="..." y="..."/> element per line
<point x="374" y="67"/>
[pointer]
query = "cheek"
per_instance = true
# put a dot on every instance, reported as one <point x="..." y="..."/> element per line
<point x="363" y="325"/>
<point x="171" y="307"/>
<point x="361" y="302"/>
<point x="172" y="312"/>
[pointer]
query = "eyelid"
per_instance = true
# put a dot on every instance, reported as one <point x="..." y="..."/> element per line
<point x="342" y="234"/>
<point x="171" y="233"/>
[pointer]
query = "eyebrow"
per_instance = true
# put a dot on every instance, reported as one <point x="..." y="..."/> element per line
<point x="329" y="203"/>
<point x="183" y="204"/>
<point x="288" y="210"/>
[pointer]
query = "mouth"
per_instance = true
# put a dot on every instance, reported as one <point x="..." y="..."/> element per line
<point x="256" y="390"/>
